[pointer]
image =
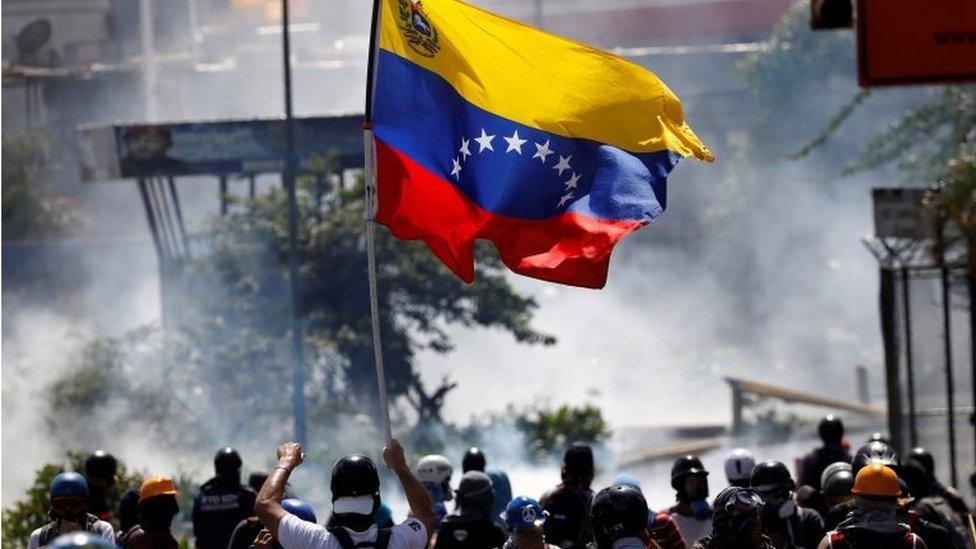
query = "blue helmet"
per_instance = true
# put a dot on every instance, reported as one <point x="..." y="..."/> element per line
<point x="300" y="509"/>
<point x="68" y="485"/>
<point x="524" y="512"/>
<point x="81" y="540"/>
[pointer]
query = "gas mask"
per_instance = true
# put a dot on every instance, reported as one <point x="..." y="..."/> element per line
<point x="739" y="524"/>
<point x="779" y="505"/>
<point x="696" y="491"/>
<point x="69" y="511"/>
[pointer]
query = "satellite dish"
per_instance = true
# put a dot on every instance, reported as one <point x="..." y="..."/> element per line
<point x="32" y="38"/>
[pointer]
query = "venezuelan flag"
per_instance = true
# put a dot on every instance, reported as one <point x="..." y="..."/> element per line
<point x="488" y="129"/>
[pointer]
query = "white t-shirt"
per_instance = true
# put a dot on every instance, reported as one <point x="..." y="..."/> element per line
<point x="102" y="529"/>
<point x="295" y="533"/>
<point x="692" y="529"/>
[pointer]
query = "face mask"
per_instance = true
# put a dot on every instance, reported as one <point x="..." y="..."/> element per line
<point x="786" y="509"/>
<point x="78" y="518"/>
<point x="701" y="510"/>
<point x="696" y="488"/>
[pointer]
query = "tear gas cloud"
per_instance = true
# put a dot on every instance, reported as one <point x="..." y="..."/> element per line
<point x="781" y="292"/>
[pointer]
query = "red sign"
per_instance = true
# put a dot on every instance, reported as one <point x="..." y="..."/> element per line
<point x="915" y="42"/>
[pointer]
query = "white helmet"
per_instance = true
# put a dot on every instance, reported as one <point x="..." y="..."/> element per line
<point x="434" y="468"/>
<point x="739" y="465"/>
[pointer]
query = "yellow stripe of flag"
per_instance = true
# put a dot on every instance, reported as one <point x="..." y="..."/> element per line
<point x="540" y="80"/>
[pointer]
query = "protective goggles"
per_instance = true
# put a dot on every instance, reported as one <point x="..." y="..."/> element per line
<point x="744" y="499"/>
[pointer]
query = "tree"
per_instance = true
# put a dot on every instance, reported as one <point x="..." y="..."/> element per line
<point x="30" y="209"/>
<point x="551" y="430"/>
<point x="28" y="514"/>
<point x="222" y="372"/>
<point x="418" y="297"/>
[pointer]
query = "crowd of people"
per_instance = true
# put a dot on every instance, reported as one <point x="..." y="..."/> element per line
<point x="871" y="499"/>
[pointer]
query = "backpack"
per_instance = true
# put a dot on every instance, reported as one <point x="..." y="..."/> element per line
<point x="345" y="540"/>
<point x="123" y="539"/>
<point x="568" y="510"/>
<point x="52" y="529"/>
<point x="837" y="540"/>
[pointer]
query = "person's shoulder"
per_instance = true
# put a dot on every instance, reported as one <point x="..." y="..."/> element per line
<point x="410" y="533"/>
<point x="291" y="529"/>
<point x="807" y="513"/>
<point x="103" y="527"/>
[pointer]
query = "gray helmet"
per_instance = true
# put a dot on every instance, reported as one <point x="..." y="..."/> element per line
<point x="837" y="479"/>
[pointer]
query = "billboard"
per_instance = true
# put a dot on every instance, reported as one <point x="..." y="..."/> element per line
<point x="230" y="147"/>
<point x="912" y="42"/>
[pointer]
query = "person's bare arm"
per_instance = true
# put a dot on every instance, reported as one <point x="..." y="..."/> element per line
<point x="268" y="505"/>
<point x="421" y="504"/>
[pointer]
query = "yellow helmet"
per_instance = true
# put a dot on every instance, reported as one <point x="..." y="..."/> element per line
<point x="877" y="480"/>
<point x="157" y="486"/>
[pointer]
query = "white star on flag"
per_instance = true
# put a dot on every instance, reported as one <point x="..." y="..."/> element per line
<point x="566" y="198"/>
<point x="485" y="141"/>
<point x="571" y="184"/>
<point x="457" y="169"/>
<point x="542" y="151"/>
<point x="514" y="143"/>
<point x="465" y="151"/>
<point x="563" y="164"/>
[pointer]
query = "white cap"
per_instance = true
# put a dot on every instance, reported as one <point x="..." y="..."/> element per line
<point x="739" y="465"/>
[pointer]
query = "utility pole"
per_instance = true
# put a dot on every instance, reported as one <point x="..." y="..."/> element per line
<point x="295" y="325"/>
<point x="947" y="329"/>
<point x="150" y="75"/>
<point x="909" y="363"/>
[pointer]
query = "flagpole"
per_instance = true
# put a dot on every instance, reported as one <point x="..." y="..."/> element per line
<point x="369" y="163"/>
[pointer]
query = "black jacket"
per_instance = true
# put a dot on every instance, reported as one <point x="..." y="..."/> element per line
<point x="816" y="461"/>
<point x="801" y="530"/>
<point x="457" y="532"/>
<point x="218" y="508"/>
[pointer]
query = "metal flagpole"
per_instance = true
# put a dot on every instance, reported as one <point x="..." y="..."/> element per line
<point x="297" y="343"/>
<point x="371" y="205"/>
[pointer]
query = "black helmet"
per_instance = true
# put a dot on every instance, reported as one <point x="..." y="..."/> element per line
<point x="771" y="476"/>
<point x="256" y="480"/>
<point x="101" y="465"/>
<point x="875" y="451"/>
<point x="475" y="493"/>
<point x="837" y="480"/>
<point x="474" y="460"/>
<point x="831" y="429"/>
<point x="684" y="466"/>
<point x="924" y="458"/>
<point x="916" y="480"/>
<point x="618" y="511"/>
<point x="354" y="476"/>
<point x="227" y="461"/>
<point x="578" y="460"/>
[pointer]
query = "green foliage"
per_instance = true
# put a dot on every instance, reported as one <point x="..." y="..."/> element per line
<point x="29" y="209"/>
<point x="794" y="78"/>
<point x="955" y="197"/>
<point x="551" y="430"/>
<point x="922" y="142"/>
<point x="792" y="82"/>
<point x="418" y="296"/>
<point x="224" y="373"/>
<point x="96" y="371"/>
<point x="30" y="513"/>
<point x="26" y="515"/>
